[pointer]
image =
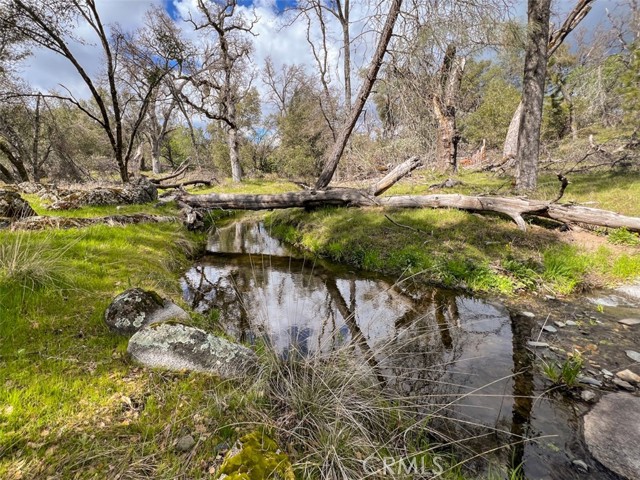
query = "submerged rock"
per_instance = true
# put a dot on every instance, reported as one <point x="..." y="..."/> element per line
<point x="179" y="347"/>
<point x="14" y="207"/>
<point x="635" y="356"/>
<point x="612" y="433"/>
<point x="136" y="308"/>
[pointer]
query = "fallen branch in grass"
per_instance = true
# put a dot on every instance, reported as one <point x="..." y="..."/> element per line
<point x="41" y="223"/>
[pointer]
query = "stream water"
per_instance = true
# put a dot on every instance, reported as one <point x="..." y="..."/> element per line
<point x="468" y="354"/>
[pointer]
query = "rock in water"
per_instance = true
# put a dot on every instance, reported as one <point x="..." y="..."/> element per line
<point x="136" y="308"/>
<point x="635" y="356"/>
<point x="179" y="347"/>
<point x="612" y="433"/>
<point x="14" y="207"/>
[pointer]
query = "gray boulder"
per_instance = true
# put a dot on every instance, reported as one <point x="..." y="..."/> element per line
<point x="13" y="206"/>
<point x="178" y="347"/>
<point x="138" y="190"/>
<point x="612" y="433"/>
<point x="136" y="308"/>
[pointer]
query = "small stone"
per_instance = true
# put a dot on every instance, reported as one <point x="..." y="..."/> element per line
<point x="560" y="324"/>
<point x="537" y="344"/>
<point x="630" y="321"/>
<point x="550" y="329"/>
<point x="628" y="376"/>
<point x="624" y="385"/>
<point x="185" y="443"/>
<point x="606" y="373"/>
<point x="635" y="356"/>
<point x="527" y="314"/>
<point x="589" y="381"/>
<point x="570" y="323"/>
<point x="580" y="465"/>
<point x="587" y="396"/>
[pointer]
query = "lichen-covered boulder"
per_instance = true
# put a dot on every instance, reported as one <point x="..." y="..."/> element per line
<point x="135" y="308"/>
<point x="138" y="190"/>
<point x="255" y="456"/>
<point x="13" y="206"/>
<point x="179" y="347"/>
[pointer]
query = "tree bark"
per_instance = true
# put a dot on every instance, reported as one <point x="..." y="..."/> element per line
<point x="535" y="71"/>
<point x="512" y="207"/>
<point x="376" y="62"/>
<point x="234" y="154"/>
<point x="579" y="11"/>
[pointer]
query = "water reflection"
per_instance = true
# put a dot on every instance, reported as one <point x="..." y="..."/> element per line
<point x="459" y="357"/>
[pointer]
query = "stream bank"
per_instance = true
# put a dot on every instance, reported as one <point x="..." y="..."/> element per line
<point x="469" y="357"/>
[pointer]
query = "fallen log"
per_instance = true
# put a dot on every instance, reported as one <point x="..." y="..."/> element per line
<point x="206" y="183"/>
<point x="513" y="207"/>
<point x="44" y="222"/>
<point x="386" y="182"/>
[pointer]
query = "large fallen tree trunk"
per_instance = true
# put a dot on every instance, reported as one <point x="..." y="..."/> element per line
<point x="515" y="208"/>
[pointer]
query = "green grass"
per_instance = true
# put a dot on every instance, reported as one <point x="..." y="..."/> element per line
<point x="71" y="403"/>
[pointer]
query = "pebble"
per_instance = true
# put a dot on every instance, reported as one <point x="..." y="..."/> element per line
<point x="560" y="324"/>
<point x="635" y="356"/>
<point x="570" y="323"/>
<point x="550" y="329"/>
<point x="537" y="344"/>
<point x="185" y="443"/>
<point x="628" y="376"/>
<point x="527" y="314"/>
<point x="580" y="465"/>
<point x="589" y="381"/>
<point x="622" y="384"/>
<point x="587" y="395"/>
<point x="630" y="321"/>
<point x="606" y="372"/>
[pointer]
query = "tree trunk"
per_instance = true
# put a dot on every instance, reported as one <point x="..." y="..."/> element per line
<point x="574" y="17"/>
<point x="512" y="207"/>
<point x="510" y="149"/>
<point x="376" y="62"/>
<point x="447" y="137"/>
<point x="535" y="71"/>
<point x="155" y="156"/>
<point x="234" y="155"/>
<point x="444" y="107"/>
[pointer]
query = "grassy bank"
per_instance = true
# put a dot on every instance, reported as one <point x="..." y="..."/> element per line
<point x="481" y="253"/>
<point x="71" y="404"/>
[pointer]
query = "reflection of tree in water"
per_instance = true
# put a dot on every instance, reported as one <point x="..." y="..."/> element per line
<point x="413" y="353"/>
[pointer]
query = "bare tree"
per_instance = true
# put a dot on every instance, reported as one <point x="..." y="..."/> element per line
<point x="372" y="74"/>
<point x="50" y="24"/>
<point x="283" y="83"/>
<point x="217" y="75"/>
<point x="444" y="106"/>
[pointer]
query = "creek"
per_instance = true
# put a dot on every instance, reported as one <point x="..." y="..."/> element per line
<point x="468" y="355"/>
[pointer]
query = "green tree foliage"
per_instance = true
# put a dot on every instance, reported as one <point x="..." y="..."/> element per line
<point x="498" y="99"/>
<point x="304" y="136"/>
